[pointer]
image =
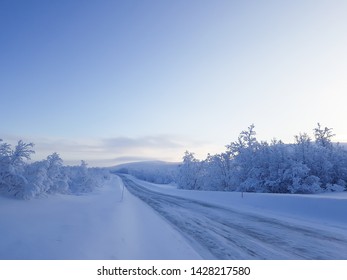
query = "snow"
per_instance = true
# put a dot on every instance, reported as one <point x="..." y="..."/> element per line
<point x="320" y="209"/>
<point x="99" y="225"/>
<point x="226" y="226"/>
<point x="112" y="223"/>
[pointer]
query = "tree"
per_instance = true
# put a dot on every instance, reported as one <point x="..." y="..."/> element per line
<point x="243" y="152"/>
<point x="81" y="179"/>
<point x="13" y="180"/>
<point x="37" y="179"/>
<point x="218" y="172"/>
<point x="189" y="172"/>
<point x="302" y="147"/>
<point x="58" y="179"/>
<point x="299" y="180"/>
<point x="246" y="140"/>
<point x="323" y="136"/>
<point x="5" y="157"/>
<point x="21" y="152"/>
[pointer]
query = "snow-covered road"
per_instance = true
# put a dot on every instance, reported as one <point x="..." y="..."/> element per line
<point x="111" y="224"/>
<point x="223" y="233"/>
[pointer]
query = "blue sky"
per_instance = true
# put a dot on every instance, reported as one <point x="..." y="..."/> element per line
<point x="112" y="81"/>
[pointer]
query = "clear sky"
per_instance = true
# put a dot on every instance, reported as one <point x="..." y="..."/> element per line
<point x="112" y="81"/>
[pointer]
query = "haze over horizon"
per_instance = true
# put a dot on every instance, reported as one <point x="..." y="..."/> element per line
<point x="117" y="81"/>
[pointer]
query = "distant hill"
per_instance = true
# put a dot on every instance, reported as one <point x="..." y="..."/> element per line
<point x="153" y="171"/>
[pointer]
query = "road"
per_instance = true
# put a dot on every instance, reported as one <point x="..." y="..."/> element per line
<point x="223" y="233"/>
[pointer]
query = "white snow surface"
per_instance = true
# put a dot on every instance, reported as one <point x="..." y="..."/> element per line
<point x="225" y="225"/>
<point x="98" y="225"/>
<point x="321" y="210"/>
<point x="108" y="225"/>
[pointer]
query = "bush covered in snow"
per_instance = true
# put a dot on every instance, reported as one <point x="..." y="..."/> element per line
<point x="82" y="179"/>
<point x="305" y="166"/>
<point x="21" y="179"/>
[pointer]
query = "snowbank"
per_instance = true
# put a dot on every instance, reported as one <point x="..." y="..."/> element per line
<point x="102" y="224"/>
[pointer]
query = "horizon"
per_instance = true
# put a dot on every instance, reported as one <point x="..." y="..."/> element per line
<point x="115" y="162"/>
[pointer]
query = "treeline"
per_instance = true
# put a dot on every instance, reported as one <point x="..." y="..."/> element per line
<point x="154" y="172"/>
<point x="306" y="166"/>
<point x="156" y="176"/>
<point x="24" y="180"/>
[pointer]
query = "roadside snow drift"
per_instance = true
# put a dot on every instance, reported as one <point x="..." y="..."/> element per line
<point x="97" y="225"/>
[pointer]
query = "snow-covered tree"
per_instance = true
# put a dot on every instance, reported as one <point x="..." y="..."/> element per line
<point x="56" y="175"/>
<point x="303" y="147"/>
<point x="189" y="173"/>
<point x="218" y="172"/>
<point x="25" y="180"/>
<point x="12" y="167"/>
<point x="80" y="179"/>
<point x="5" y="159"/>
<point x="46" y="176"/>
<point x="38" y="182"/>
<point x="22" y="152"/>
<point x="299" y="180"/>
<point x="243" y="152"/>
<point x="247" y="165"/>
<point x="323" y="136"/>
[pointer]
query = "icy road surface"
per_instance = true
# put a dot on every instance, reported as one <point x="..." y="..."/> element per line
<point x="222" y="233"/>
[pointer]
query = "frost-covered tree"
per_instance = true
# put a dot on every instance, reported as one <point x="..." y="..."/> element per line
<point x="245" y="141"/>
<point x="299" y="180"/>
<point x="5" y="159"/>
<point x="38" y="182"/>
<point x="218" y="172"/>
<point x="326" y="160"/>
<point x="22" y="152"/>
<point x="243" y="152"/>
<point x="56" y="175"/>
<point x="267" y="167"/>
<point x="189" y="173"/>
<point x="323" y="136"/>
<point x="46" y="176"/>
<point x="80" y="179"/>
<point x="247" y="165"/>
<point x="12" y="167"/>
<point x="25" y="180"/>
<point x="303" y="147"/>
<point x="338" y="160"/>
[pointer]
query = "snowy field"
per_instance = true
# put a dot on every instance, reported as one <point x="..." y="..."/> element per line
<point x="98" y="225"/>
<point x="112" y="223"/>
